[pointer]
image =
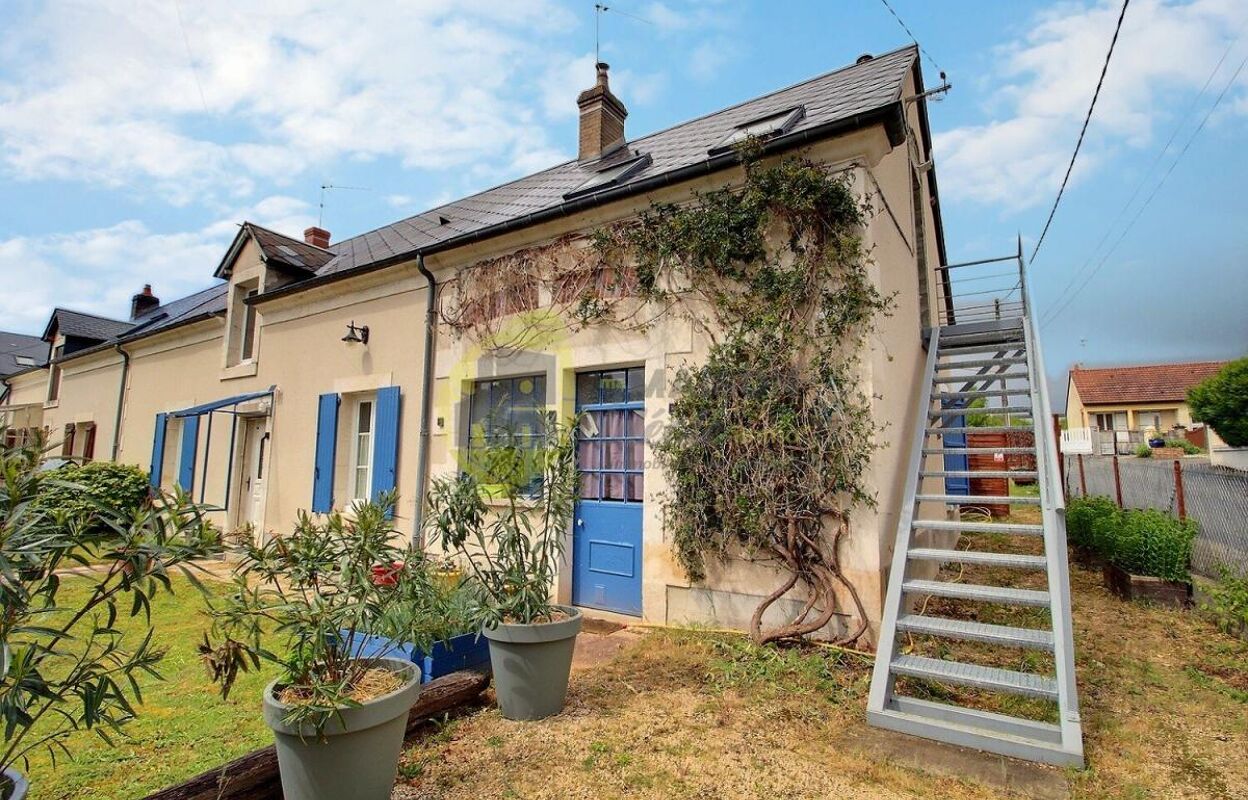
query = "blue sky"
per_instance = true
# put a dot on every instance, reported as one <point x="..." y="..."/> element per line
<point x="135" y="135"/>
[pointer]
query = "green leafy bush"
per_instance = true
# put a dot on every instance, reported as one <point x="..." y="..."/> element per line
<point x="1185" y="446"/>
<point x="1227" y="601"/>
<point x="1222" y="402"/>
<point x="1147" y="542"/>
<point x="1081" y="513"/>
<point x="1144" y="451"/>
<point x="92" y="492"/>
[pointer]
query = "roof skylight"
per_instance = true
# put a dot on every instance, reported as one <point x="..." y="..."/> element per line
<point x="613" y="175"/>
<point x="763" y="128"/>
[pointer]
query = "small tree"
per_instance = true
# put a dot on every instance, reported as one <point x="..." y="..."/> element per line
<point x="514" y="551"/>
<point x="1221" y="402"/>
<point x="318" y="590"/>
<point x="67" y="667"/>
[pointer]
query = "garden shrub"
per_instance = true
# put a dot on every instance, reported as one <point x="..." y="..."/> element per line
<point x="1147" y="542"/>
<point x="1081" y="513"/>
<point x="1226" y="600"/>
<point x="1222" y="402"/>
<point x="84" y="492"/>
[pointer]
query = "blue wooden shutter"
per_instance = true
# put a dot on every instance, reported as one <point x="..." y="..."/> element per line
<point x="158" y="452"/>
<point x="386" y="439"/>
<point x="326" y="447"/>
<point x="190" y="445"/>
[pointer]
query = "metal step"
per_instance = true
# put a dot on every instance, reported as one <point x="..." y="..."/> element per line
<point x="978" y="499"/>
<point x="970" y="473"/>
<point x="960" y="412"/>
<point x="981" y="377"/>
<point x="1006" y="635"/>
<point x="976" y="676"/>
<point x="1004" y="335"/>
<point x="985" y="429"/>
<point x="977" y="451"/>
<point x="1013" y="737"/>
<point x="976" y="393"/>
<point x="979" y="527"/>
<point x="967" y="348"/>
<point x="1011" y="560"/>
<point x="1005" y="595"/>
<point x="984" y="362"/>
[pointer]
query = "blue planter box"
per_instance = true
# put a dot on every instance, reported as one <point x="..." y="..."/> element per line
<point x="466" y="651"/>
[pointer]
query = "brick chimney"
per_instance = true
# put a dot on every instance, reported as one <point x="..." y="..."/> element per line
<point x="143" y="302"/>
<point x="317" y="237"/>
<point x="602" y="119"/>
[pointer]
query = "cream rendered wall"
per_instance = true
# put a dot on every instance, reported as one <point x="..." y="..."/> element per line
<point x="27" y="393"/>
<point x="89" y="391"/>
<point x="1076" y="414"/>
<point x="890" y="372"/>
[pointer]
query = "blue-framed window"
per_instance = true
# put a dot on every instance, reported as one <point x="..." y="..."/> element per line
<point x="610" y="450"/>
<point x="505" y="411"/>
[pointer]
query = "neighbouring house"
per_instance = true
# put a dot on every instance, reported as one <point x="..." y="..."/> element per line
<point x="314" y="373"/>
<point x="1122" y="407"/>
<point x="20" y="352"/>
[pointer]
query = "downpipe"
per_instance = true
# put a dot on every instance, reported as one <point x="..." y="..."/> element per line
<point x="426" y="401"/>
<point x="121" y="399"/>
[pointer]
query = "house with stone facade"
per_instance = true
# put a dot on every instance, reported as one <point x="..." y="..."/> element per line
<point x="316" y="372"/>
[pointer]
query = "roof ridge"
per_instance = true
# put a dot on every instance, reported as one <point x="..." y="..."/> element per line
<point x="60" y="309"/>
<point x="288" y="236"/>
<point x="912" y="47"/>
<point x="1152" y="365"/>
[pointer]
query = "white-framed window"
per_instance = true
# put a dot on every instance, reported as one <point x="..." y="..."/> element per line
<point x="248" y="343"/>
<point x="363" y="424"/>
<point x="241" y="342"/>
<point x="505" y="411"/>
<point x="1148" y="420"/>
<point x="54" y="374"/>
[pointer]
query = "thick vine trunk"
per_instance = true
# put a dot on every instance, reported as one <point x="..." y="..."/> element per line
<point x="821" y="573"/>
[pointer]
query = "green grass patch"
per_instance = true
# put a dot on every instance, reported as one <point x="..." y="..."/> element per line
<point x="183" y="727"/>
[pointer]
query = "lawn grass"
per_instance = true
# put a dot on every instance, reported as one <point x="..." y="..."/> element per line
<point x="688" y="714"/>
<point x="184" y="727"/>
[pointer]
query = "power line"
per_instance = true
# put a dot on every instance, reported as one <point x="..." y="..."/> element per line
<point x="909" y="33"/>
<point x="190" y="57"/>
<point x="1183" y="118"/>
<point x="1100" y="82"/>
<point x="1058" y="312"/>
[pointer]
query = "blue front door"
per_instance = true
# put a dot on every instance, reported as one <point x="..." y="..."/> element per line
<point x="606" y="540"/>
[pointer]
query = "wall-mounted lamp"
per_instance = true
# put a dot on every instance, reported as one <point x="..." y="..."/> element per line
<point x="356" y="333"/>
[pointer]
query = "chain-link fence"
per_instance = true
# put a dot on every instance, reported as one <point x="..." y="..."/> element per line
<point x="1216" y="497"/>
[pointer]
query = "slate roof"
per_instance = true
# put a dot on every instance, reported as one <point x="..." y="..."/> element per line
<point x="86" y="326"/>
<point x="837" y="96"/>
<point x="853" y="95"/>
<point x="288" y="250"/>
<point x="1148" y="383"/>
<point x="14" y="345"/>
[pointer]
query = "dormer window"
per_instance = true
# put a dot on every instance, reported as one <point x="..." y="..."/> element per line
<point x="767" y="127"/>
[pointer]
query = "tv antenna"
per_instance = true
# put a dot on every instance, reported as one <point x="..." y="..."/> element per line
<point x="320" y="217"/>
<point x="599" y="10"/>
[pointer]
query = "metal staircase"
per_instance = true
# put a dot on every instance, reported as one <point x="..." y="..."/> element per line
<point x="945" y="674"/>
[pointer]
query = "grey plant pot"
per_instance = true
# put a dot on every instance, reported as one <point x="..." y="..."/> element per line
<point x="20" y="785"/>
<point x="531" y="665"/>
<point x="356" y="756"/>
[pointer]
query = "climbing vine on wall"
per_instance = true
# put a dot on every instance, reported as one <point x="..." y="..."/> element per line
<point x="769" y="439"/>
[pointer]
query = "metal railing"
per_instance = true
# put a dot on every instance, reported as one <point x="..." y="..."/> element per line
<point x="980" y="291"/>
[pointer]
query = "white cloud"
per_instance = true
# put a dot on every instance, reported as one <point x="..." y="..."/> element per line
<point x="1046" y="80"/>
<point x="106" y="92"/>
<point x="97" y="270"/>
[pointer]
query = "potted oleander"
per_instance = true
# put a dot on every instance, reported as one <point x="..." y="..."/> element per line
<point x="338" y="713"/>
<point x="507" y="516"/>
<point x="67" y="667"/>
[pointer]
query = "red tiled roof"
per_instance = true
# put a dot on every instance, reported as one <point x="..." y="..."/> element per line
<point x="1143" y="384"/>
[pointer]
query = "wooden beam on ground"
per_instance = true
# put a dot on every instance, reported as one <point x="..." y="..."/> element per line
<point x="255" y="776"/>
